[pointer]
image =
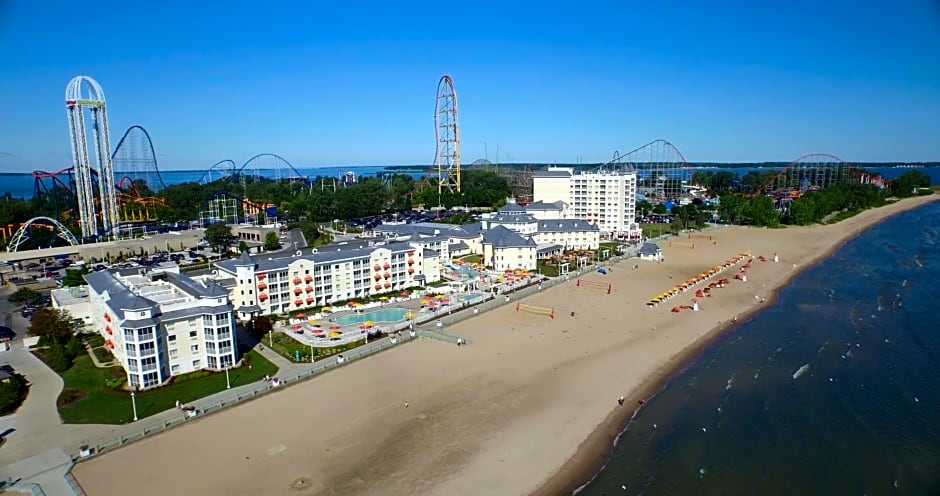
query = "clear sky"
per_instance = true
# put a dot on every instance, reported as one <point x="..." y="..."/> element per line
<point x="353" y="83"/>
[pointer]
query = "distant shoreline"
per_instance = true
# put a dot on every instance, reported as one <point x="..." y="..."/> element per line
<point x="692" y="165"/>
<point x="594" y="453"/>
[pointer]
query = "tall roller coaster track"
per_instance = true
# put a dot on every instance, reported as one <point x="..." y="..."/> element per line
<point x="134" y="158"/>
<point x="269" y="166"/>
<point x="220" y="170"/>
<point x="812" y="172"/>
<point x="447" y="137"/>
<point x="96" y="218"/>
<point x="663" y="174"/>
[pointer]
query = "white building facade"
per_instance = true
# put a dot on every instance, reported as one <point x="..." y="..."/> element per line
<point x="326" y="275"/>
<point x="606" y="199"/>
<point x="161" y="324"/>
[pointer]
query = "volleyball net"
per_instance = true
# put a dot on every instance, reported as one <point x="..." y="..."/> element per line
<point x="603" y="286"/>
<point x="548" y="312"/>
<point x="682" y="245"/>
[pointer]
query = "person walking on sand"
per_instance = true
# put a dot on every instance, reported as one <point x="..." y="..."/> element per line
<point x="620" y="400"/>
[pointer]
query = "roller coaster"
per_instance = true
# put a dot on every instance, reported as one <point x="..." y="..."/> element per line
<point x="813" y="172"/>
<point x="264" y="166"/>
<point x="232" y="209"/>
<point x="135" y="164"/>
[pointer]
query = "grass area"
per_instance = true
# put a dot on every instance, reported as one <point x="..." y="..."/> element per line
<point x="548" y="268"/>
<point x="472" y="258"/>
<point x="93" y="402"/>
<point x="612" y="247"/>
<point x="290" y="348"/>
<point x="95" y="341"/>
<point x="845" y="214"/>
<point x="103" y="355"/>
<point x="655" y="230"/>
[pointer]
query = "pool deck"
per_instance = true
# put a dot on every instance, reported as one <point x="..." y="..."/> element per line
<point x="353" y="332"/>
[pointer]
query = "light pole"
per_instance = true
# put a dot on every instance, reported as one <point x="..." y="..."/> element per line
<point x="271" y="338"/>
<point x="228" y="384"/>
<point x="134" y="405"/>
<point x="311" y="352"/>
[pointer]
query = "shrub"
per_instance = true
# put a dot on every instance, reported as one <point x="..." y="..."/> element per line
<point x="57" y="359"/>
<point x="116" y="383"/>
<point x="191" y="376"/>
<point x="68" y="396"/>
<point x="12" y="394"/>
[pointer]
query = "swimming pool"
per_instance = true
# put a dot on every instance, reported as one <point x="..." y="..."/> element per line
<point x="468" y="297"/>
<point x="383" y="315"/>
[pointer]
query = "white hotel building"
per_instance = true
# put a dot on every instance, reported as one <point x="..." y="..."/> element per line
<point x="606" y="199"/>
<point x="278" y="283"/>
<point x="160" y="323"/>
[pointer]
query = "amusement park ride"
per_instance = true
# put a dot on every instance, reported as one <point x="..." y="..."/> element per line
<point x="86" y="194"/>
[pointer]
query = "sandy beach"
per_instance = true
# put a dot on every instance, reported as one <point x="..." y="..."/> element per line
<point x="530" y="407"/>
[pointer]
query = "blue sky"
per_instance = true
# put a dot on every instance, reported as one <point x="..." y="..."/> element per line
<point x="353" y="83"/>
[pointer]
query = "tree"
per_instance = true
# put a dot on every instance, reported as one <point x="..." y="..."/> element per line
<point x="271" y="241"/>
<point x="12" y="394"/>
<point x="219" y="236"/>
<point x="74" y="277"/>
<point x="26" y="296"/>
<point x="906" y="184"/>
<point x="52" y="325"/>
<point x="242" y="246"/>
<point x="260" y="325"/>
<point x="803" y="211"/>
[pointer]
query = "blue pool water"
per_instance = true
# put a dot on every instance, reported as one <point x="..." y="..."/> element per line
<point x="468" y="297"/>
<point x="383" y="315"/>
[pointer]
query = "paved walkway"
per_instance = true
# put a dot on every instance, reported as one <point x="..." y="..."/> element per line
<point x="94" y="358"/>
<point x="38" y="443"/>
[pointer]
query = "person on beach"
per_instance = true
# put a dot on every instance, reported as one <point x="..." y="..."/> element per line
<point x="620" y="400"/>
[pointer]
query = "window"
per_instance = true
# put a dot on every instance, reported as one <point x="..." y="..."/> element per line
<point x="171" y="338"/>
<point x="194" y="348"/>
<point x="174" y="352"/>
<point x="150" y="379"/>
<point x="196" y="363"/>
<point x="148" y="364"/>
<point x="193" y="334"/>
<point x="175" y="368"/>
<point x="147" y="348"/>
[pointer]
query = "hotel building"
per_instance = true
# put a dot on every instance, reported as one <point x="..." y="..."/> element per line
<point x="606" y="199"/>
<point x="160" y="323"/>
<point x="328" y="274"/>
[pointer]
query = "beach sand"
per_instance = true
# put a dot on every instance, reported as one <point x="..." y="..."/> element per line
<point x="529" y="407"/>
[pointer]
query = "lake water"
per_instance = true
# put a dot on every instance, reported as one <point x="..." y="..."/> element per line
<point x="834" y="390"/>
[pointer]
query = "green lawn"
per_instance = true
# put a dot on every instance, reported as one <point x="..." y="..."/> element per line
<point x="103" y="405"/>
<point x="546" y="269"/>
<point x="103" y="355"/>
<point x="655" y="230"/>
<point x="289" y="347"/>
<point x="472" y="258"/>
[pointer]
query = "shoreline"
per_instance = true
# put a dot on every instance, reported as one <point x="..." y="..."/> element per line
<point x="594" y="453"/>
<point x="530" y="406"/>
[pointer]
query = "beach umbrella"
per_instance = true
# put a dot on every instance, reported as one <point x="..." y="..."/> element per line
<point x="383" y="298"/>
<point x="369" y="323"/>
<point x="335" y="334"/>
<point x="318" y="331"/>
<point x="403" y="293"/>
<point x="334" y="327"/>
<point x="326" y="309"/>
<point x="295" y="327"/>
<point x="410" y="315"/>
<point x="300" y="316"/>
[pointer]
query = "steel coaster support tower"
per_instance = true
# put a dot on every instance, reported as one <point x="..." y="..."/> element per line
<point x="76" y="102"/>
<point x="447" y="134"/>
